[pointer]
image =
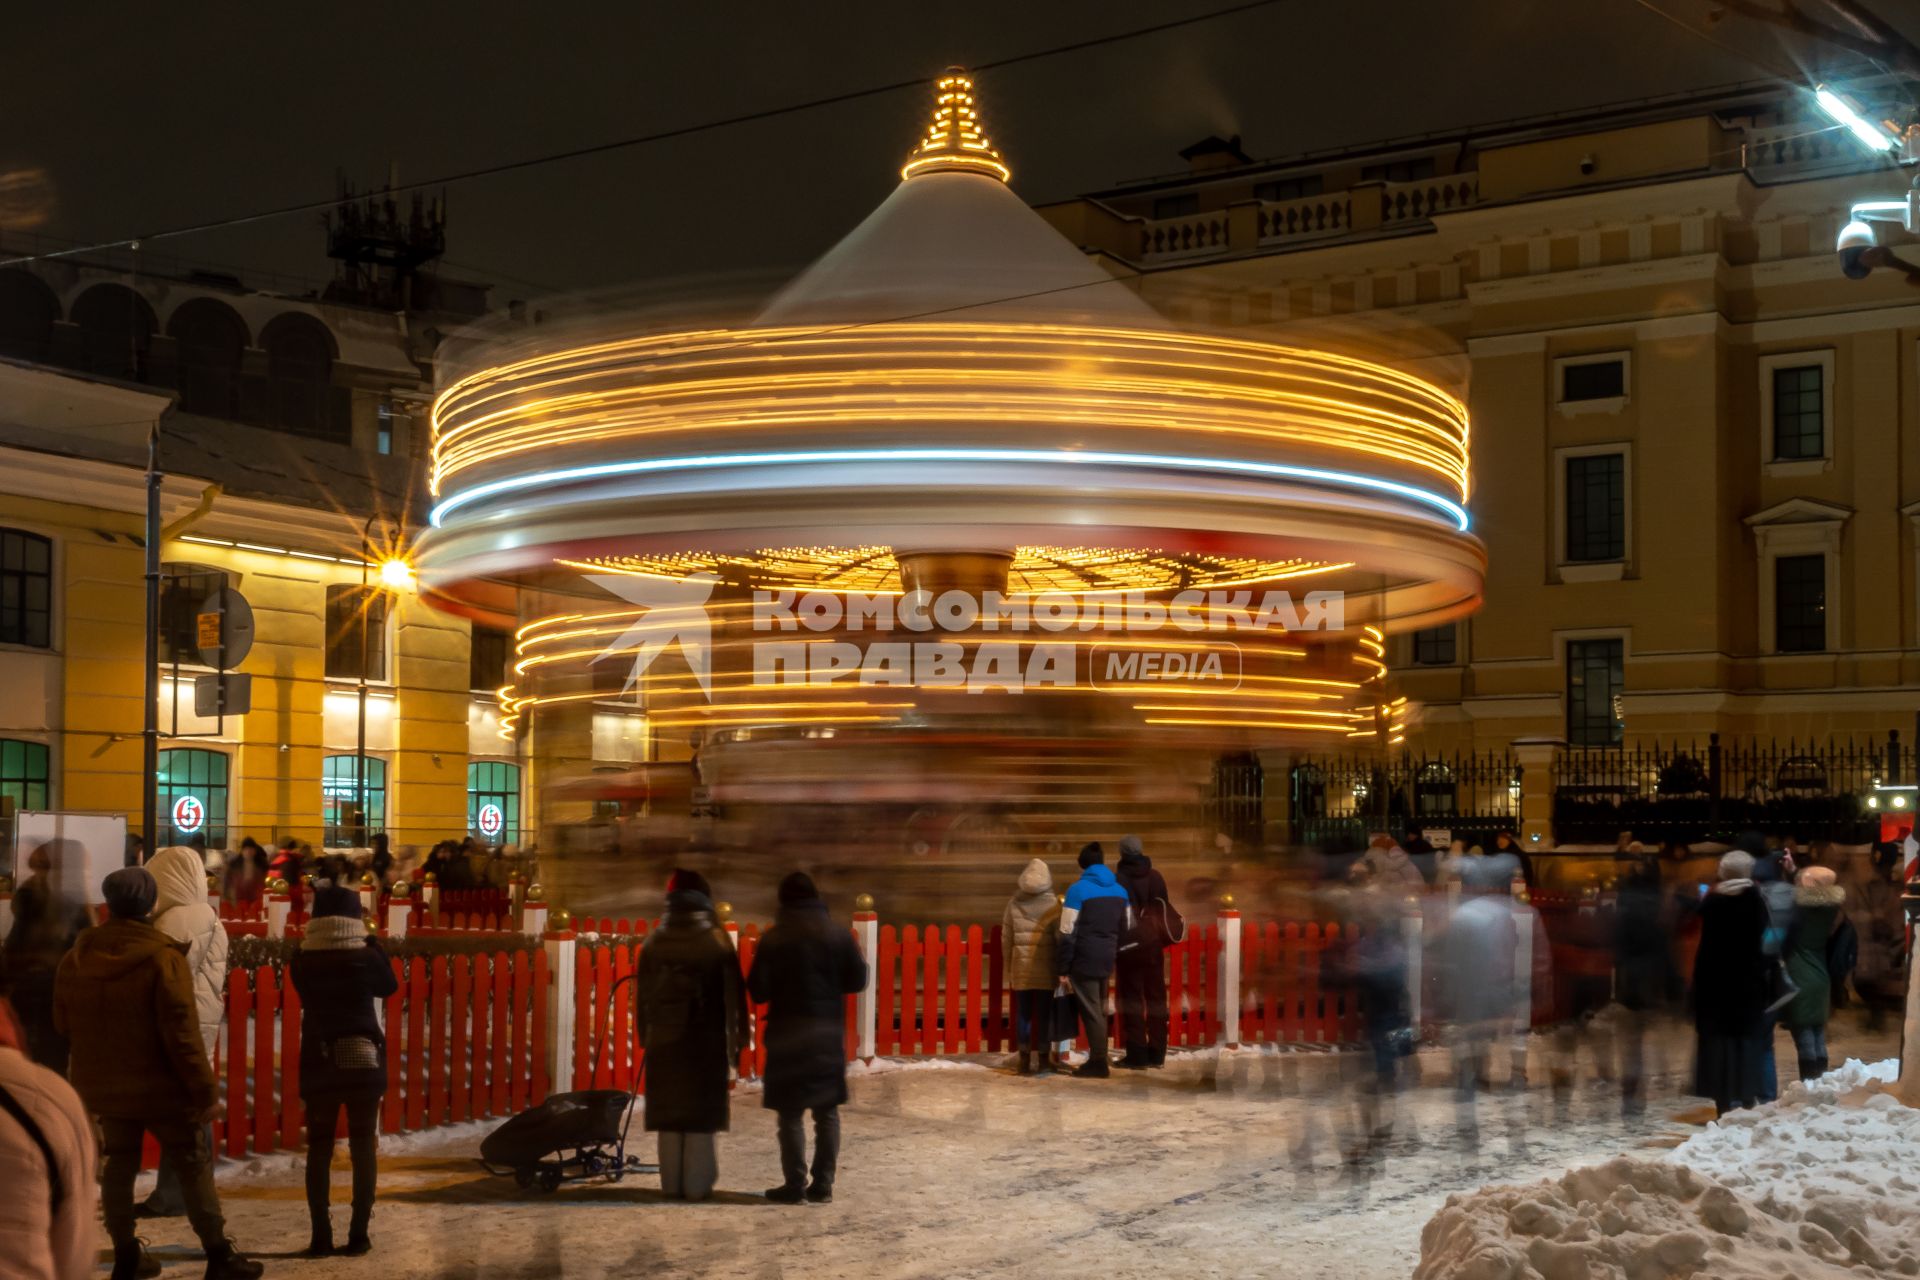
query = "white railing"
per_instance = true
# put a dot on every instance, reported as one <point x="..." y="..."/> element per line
<point x="1326" y="215"/>
<point x="1409" y="201"/>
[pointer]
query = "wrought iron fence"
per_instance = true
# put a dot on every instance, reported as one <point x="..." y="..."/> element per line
<point x="1715" y="790"/>
<point x="1338" y="800"/>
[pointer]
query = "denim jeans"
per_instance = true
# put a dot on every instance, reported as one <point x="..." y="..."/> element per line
<point x="1809" y="1042"/>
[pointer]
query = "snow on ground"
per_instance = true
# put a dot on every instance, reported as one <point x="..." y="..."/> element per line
<point x="1235" y="1164"/>
<point x="1819" y="1184"/>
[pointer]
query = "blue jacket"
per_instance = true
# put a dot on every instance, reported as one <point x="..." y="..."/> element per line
<point x="1093" y="920"/>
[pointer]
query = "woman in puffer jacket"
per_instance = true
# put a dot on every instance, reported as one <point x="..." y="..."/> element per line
<point x="1817" y="898"/>
<point x="1028" y="930"/>
<point x="183" y="914"/>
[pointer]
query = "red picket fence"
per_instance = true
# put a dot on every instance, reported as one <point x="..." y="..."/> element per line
<point x="470" y="902"/>
<point x="1288" y="992"/>
<point x="466" y="1039"/>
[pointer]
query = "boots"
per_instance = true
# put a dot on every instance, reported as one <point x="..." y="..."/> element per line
<point x="321" y="1245"/>
<point x="224" y="1262"/>
<point x="1810" y="1069"/>
<point x="357" y="1240"/>
<point x="131" y="1261"/>
<point x="1025" y="1067"/>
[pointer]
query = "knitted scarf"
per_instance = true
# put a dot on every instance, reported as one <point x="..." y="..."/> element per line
<point x="334" y="933"/>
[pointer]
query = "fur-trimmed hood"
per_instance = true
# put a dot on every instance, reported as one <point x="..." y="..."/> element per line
<point x="1819" y="895"/>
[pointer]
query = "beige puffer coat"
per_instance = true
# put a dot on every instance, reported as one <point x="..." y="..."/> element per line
<point x="183" y="914"/>
<point x="1029" y="929"/>
<point x="35" y="1242"/>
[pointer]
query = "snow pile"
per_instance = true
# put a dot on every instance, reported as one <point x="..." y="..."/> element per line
<point x="1813" y="1186"/>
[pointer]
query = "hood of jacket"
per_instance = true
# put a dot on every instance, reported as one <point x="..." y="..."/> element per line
<point x="1036" y="879"/>
<point x="1099" y="875"/>
<point x="117" y="948"/>
<point x="182" y="877"/>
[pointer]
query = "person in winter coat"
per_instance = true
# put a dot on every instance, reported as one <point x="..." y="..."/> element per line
<point x="181" y="912"/>
<point x="289" y="864"/>
<point x="124" y="996"/>
<point x="804" y="970"/>
<point x="1029" y="929"/>
<point x="1817" y="900"/>
<point x="1477" y="952"/>
<point x="46" y="1165"/>
<point x="49" y="911"/>
<point x="1730" y="989"/>
<point x="690" y="1012"/>
<point x="1093" y="921"/>
<point x="1376" y="970"/>
<point x="1141" y="970"/>
<point x="341" y="973"/>
<point x="1391" y="870"/>
<point x="1643" y="978"/>
<point x="1773" y="872"/>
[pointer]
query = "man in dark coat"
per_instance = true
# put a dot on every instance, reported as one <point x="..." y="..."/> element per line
<point x="1093" y="919"/>
<point x="49" y="911"/>
<point x="124" y="997"/>
<point x="1730" y="989"/>
<point x="1642" y="971"/>
<point x="691" y="1013"/>
<point x="1141" y="970"/>
<point x="804" y="970"/>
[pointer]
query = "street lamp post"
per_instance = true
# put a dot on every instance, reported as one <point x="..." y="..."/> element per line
<point x="360" y="738"/>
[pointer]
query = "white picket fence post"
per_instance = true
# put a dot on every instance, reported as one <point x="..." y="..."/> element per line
<point x="1229" y="1006"/>
<point x="866" y="929"/>
<point x="279" y="903"/>
<point x="430" y="894"/>
<point x="399" y="910"/>
<point x="1523" y="918"/>
<point x="533" y="912"/>
<point x="560" y="945"/>
<point x="369" y="893"/>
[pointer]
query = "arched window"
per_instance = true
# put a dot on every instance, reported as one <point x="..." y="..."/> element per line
<point x="192" y="786"/>
<point x="208" y="341"/>
<point x="26" y="781"/>
<point x="300" y="353"/>
<point x="493" y="801"/>
<point x="116" y="332"/>
<point x="27" y="312"/>
<point x="26" y="589"/>
<point x="341" y="797"/>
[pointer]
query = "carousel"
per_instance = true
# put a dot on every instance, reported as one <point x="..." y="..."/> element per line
<point x="952" y="553"/>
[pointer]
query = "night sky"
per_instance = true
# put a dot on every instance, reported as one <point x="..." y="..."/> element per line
<point x="145" y="116"/>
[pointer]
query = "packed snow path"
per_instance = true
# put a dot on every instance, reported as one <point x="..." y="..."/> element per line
<point x="1212" y="1167"/>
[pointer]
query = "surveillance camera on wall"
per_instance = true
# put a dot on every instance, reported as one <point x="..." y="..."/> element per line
<point x="1856" y="239"/>
<point x="1588" y="164"/>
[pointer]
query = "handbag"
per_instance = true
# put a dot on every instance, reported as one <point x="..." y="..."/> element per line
<point x="1064" y="1017"/>
<point x="354" y="1053"/>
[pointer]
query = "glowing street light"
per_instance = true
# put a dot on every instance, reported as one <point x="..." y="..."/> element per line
<point x="1843" y="112"/>
<point x="396" y="574"/>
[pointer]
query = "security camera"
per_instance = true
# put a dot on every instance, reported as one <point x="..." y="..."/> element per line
<point x="1588" y="164"/>
<point x="1856" y="241"/>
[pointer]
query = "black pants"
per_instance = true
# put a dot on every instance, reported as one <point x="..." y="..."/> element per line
<point x="1032" y="1018"/>
<point x="183" y="1142"/>
<point x="1142" y="996"/>
<point x="826" y="1146"/>
<point x="1091" y="995"/>
<point x="363" y="1145"/>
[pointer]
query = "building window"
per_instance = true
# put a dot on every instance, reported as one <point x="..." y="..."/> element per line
<point x="192" y="787"/>
<point x="1434" y="646"/>
<point x="183" y="589"/>
<point x="1180" y="206"/>
<point x="487" y="659"/>
<point x="356" y="628"/>
<point x="383" y="430"/>
<point x="116" y="332"/>
<point x="1594" y="679"/>
<point x="1596" y="507"/>
<point x="1593" y="380"/>
<point x="26" y="782"/>
<point x="493" y="801"/>
<point x="1800" y="604"/>
<point x="1309" y="184"/>
<point x="1799" y="413"/>
<point x="1399" y="170"/>
<point x="26" y="589"/>
<point x="209" y="340"/>
<point x="343" y="820"/>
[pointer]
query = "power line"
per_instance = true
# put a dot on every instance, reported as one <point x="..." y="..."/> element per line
<point x="662" y="135"/>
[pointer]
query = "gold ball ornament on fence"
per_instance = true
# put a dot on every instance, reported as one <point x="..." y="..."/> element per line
<point x="561" y="920"/>
<point x="1520" y="894"/>
<point x="723" y="911"/>
<point x="213" y="883"/>
<point x="401" y="889"/>
<point x="431" y="878"/>
<point x="367" y="880"/>
<point x="535" y="893"/>
<point x="1226" y="902"/>
<point x="307" y="880"/>
<point x="373" y="925"/>
<point x="863" y="903"/>
<point x="277" y="885"/>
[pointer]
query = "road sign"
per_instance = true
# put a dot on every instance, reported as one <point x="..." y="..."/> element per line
<point x="491" y="820"/>
<point x="225" y="619"/>
<point x="228" y="694"/>
<point x="188" y="814"/>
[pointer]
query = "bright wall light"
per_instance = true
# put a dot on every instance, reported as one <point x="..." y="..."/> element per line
<point x="397" y="574"/>
<point x="1842" y="112"/>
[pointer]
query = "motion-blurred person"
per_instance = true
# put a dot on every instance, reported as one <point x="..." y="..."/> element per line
<point x="1877" y="922"/>
<point x="380" y="861"/>
<point x="181" y="912"/>
<point x="1643" y="977"/>
<point x="1093" y="919"/>
<point x="46" y="1165"/>
<point x="288" y="864"/>
<point x="691" y="1017"/>
<point x="1477" y="963"/>
<point x="1506" y="842"/>
<point x="124" y="995"/>
<point x="1814" y="965"/>
<point x="804" y="970"/>
<point x="1141" y="968"/>
<point x="1421" y="853"/>
<point x="340" y="973"/>
<point x="1772" y="876"/>
<point x="1730" y="989"/>
<point x="49" y="911"/>
<point x="246" y="874"/>
<point x="1392" y="870"/>
<point x="1376" y="970"/>
<point x="1029" y="928"/>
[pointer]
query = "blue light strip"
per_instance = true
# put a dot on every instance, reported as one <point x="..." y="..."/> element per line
<point x="1343" y="479"/>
